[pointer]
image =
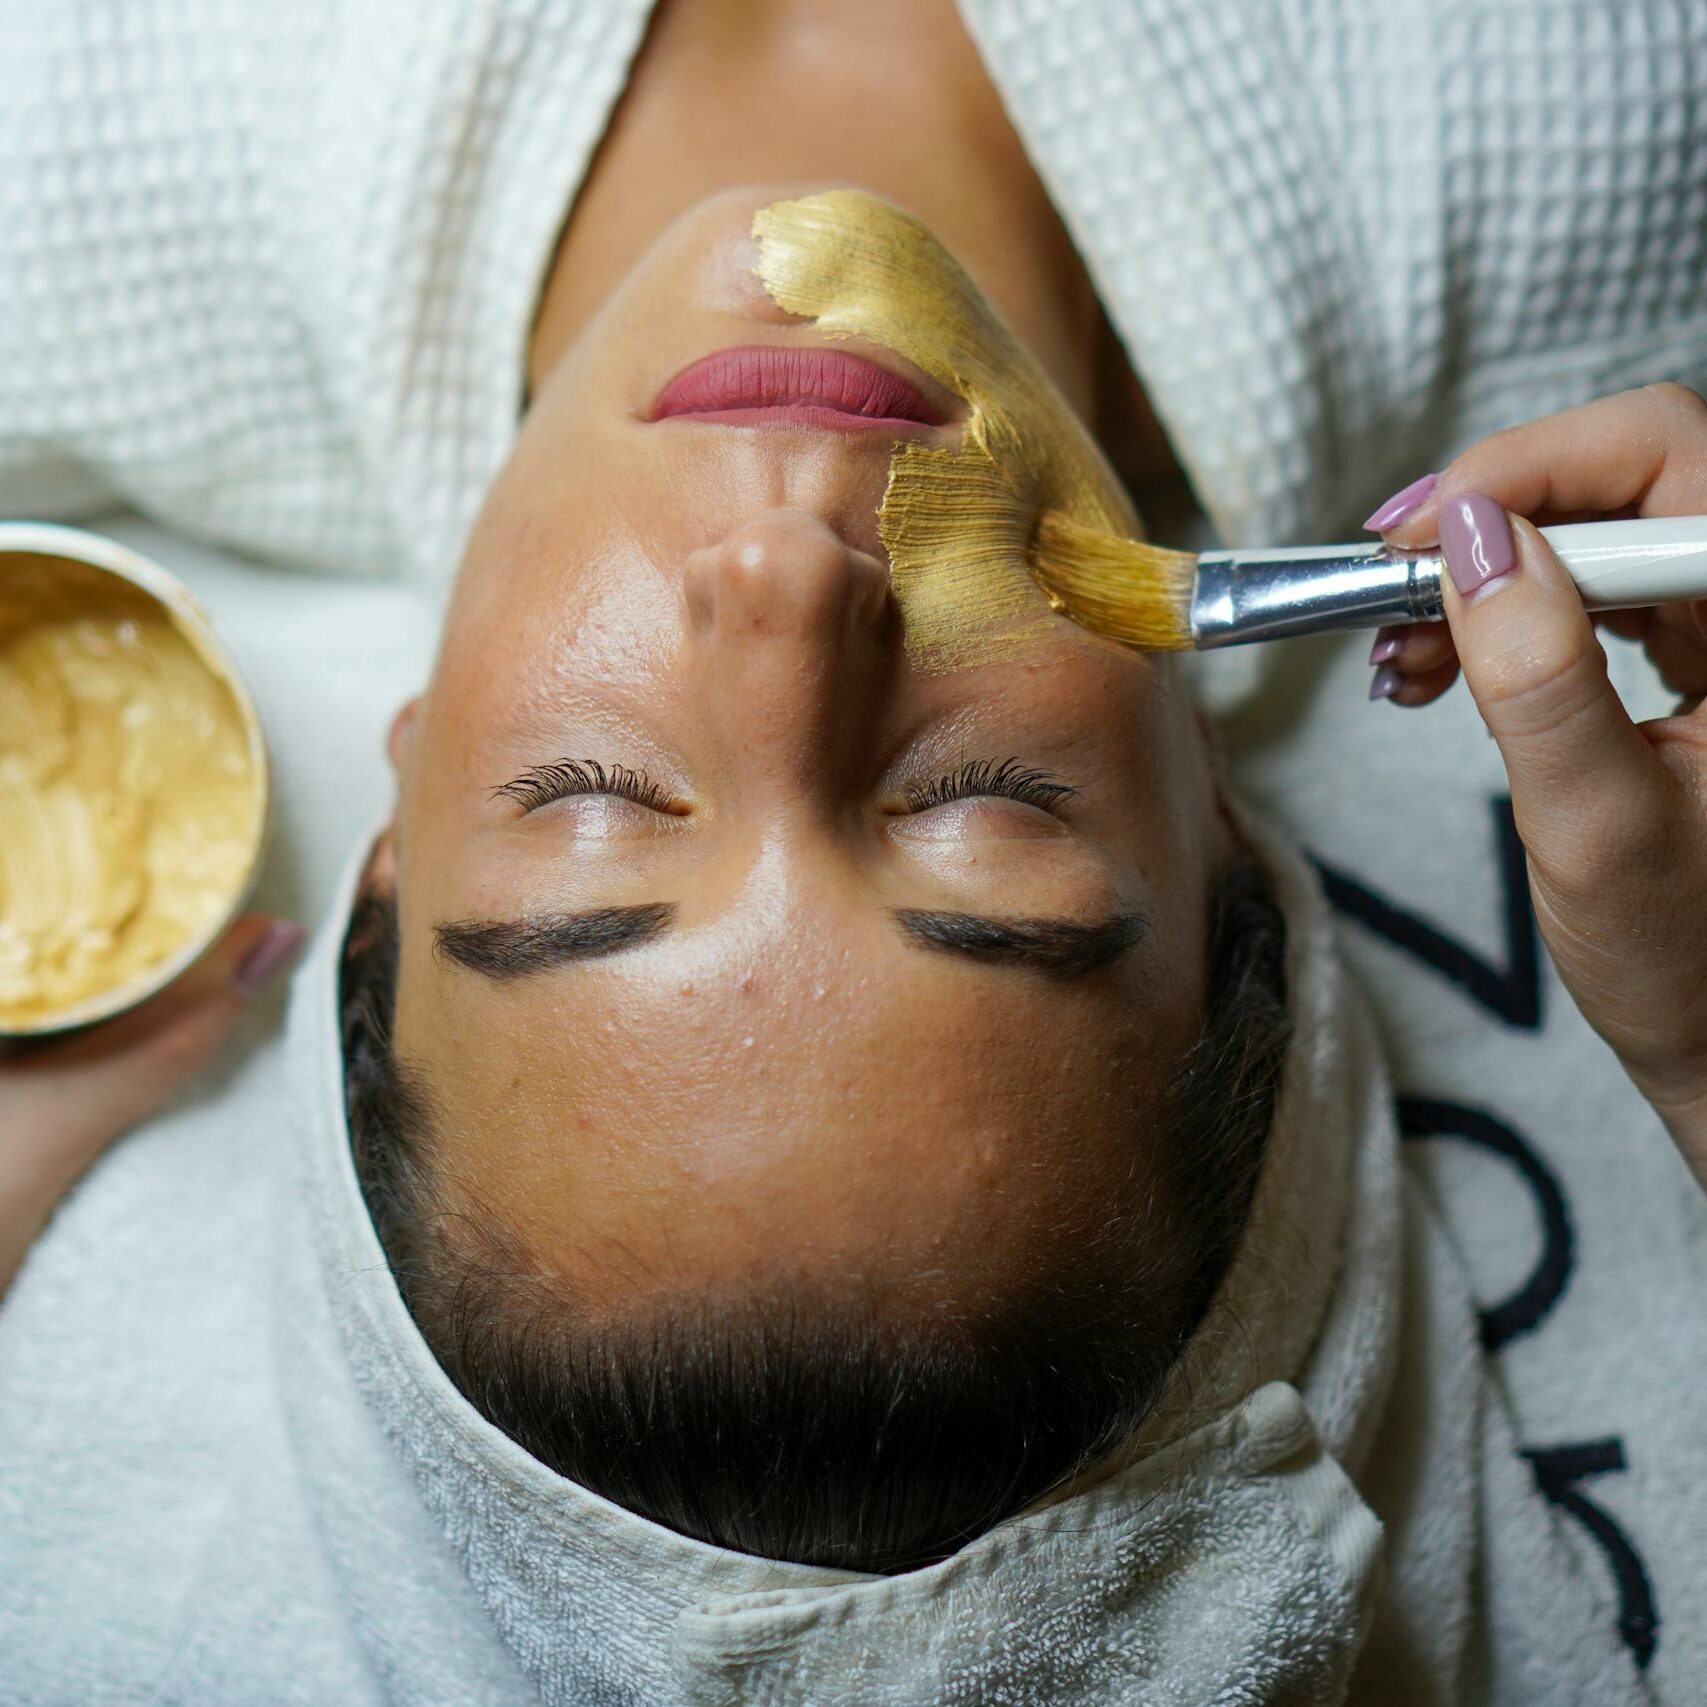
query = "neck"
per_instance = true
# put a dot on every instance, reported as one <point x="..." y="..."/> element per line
<point x="889" y="94"/>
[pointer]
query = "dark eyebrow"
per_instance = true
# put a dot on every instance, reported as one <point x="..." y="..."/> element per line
<point x="514" y="948"/>
<point x="1063" y="947"/>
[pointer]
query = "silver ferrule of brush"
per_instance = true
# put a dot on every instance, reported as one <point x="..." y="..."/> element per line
<point x="1267" y="595"/>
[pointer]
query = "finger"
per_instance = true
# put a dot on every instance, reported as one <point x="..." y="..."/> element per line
<point x="1683" y="616"/>
<point x="1419" y="689"/>
<point x="1583" y="779"/>
<point x="1688" y="618"/>
<point x="1679" y="658"/>
<point x="1626" y="624"/>
<point x="1672" y="637"/>
<point x="1644" y="449"/>
<point x="81" y="1094"/>
<point x="1416" y="649"/>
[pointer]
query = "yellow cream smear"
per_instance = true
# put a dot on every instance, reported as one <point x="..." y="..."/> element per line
<point x="130" y="807"/>
<point x="958" y="523"/>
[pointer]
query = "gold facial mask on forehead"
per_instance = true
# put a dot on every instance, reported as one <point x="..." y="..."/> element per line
<point x="130" y="805"/>
<point x="957" y="524"/>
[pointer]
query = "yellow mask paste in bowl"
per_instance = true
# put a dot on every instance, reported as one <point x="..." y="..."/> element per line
<point x="133" y="780"/>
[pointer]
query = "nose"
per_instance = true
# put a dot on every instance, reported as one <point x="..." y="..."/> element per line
<point x="794" y="635"/>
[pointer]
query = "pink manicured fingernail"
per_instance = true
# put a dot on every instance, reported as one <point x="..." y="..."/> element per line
<point x="1475" y="540"/>
<point x="1386" y="647"/>
<point x="269" y="956"/>
<point x="1386" y="683"/>
<point x="1401" y="504"/>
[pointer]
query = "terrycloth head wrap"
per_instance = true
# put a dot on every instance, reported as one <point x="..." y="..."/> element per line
<point x="1225" y="1554"/>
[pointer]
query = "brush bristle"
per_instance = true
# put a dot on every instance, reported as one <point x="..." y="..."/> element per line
<point x="1122" y="588"/>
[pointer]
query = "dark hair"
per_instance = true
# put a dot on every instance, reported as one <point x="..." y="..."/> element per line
<point x="818" y="1428"/>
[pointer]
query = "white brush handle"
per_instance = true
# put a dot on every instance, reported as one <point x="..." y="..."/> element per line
<point x="1240" y="596"/>
<point x="1618" y="565"/>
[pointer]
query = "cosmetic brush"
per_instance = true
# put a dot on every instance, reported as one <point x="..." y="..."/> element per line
<point x="1173" y="601"/>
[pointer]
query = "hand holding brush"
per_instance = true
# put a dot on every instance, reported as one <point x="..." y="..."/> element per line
<point x="1640" y="454"/>
<point x="1613" y="813"/>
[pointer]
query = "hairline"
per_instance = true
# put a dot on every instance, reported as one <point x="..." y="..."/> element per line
<point x="496" y="1301"/>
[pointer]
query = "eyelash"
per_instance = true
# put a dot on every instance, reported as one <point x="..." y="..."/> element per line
<point x="1006" y="777"/>
<point x="545" y="783"/>
<point x="991" y="776"/>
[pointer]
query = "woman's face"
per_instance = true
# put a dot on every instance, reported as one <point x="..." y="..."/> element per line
<point x="732" y="945"/>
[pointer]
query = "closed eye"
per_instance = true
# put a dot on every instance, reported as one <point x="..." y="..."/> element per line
<point x="542" y="784"/>
<point x="1007" y="778"/>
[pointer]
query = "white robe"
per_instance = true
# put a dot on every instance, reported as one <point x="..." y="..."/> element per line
<point x="1340" y="239"/>
<point x="269" y="270"/>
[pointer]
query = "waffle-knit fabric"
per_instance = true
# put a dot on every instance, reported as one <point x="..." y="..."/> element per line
<point x="267" y="271"/>
<point x="1344" y="238"/>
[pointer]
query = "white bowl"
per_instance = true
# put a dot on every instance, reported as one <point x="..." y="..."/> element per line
<point x="43" y="539"/>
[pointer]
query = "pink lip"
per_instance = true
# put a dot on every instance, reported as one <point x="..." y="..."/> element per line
<point x="779" y="385"/>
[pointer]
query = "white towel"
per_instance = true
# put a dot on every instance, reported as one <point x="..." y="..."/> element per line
<point x="1234" y="1560"/>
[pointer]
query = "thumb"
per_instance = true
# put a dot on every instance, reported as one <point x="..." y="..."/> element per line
<point x="1584" y="780"/>
<point x="82" y="1093"/>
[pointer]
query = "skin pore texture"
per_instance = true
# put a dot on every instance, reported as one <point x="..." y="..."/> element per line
<point x="736" y="948"/>
<point x="130" y="805"/>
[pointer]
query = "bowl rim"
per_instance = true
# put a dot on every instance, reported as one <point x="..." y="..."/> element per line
<point x="191" y="619"/>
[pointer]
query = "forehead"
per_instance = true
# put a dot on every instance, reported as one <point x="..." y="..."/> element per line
<point x="855" y="1095"/>
<point x="786" y="976"/>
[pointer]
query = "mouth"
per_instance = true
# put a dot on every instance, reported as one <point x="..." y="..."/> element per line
<point x="776" y="385"/>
